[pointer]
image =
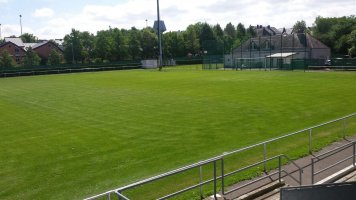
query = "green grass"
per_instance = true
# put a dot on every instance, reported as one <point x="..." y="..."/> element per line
<point x="75" y="135"/>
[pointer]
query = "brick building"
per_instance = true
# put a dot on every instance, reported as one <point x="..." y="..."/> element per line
<point x="17" y="53"/>
<point x="17" y="49"/>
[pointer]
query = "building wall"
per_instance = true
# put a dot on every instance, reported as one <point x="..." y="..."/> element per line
<point x="17" y="53"/>
<point x="45" y="50"/>
<point x="321" y="54"/>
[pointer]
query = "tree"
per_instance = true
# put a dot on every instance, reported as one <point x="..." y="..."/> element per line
<point x="120" y="45"/>
<point x="54" y="58"/>
<point x="174" y="44"/>
<point x="28" y="38"/>
<point x="300" y="27"/>
<point x="6" y="60"/>
<point x="148" y="43"/>
<point x="31" y="58"/>
<point x="230" y="31"/>
<point x="73" y="47"/>
<point x="206" y="33"/>
<point x="251" y="31"/>
<point x="335" y="33"/>
<point x="352" y="41"/>
<point x="135" y="48"/>
<point x="104" y="45"/>
<point x="87" y="42"/>
<point x="191" y="40"/>
<point x="240" y="31"/>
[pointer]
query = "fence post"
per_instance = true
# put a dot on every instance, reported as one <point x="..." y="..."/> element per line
<point x="109" y="196"/>
<point x="279" y="168"/>
<point x="222" y="176"/>
<point x="353" y="157"/>
<point x="215" y="180"/>
<point x="310" y="141"/>
<point x="201" y="181"/>
<point x="265" y="156"/>
<point x="344" y="128"/>
<point x="312" y="171"/>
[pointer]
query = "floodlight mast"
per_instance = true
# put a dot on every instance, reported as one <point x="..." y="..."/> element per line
<point x="160" y="59"/>
<point x="21" y="23"/>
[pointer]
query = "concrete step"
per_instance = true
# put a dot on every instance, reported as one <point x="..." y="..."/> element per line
<point x="269" y="188"/>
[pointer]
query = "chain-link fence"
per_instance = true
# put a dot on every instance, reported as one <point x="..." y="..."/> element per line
<point x="280" y="51"/>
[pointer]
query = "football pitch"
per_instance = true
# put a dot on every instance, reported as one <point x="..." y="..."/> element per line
<point x="71" y="136"/>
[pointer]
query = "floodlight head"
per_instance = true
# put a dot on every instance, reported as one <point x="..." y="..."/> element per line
<point x="162" y="26"/>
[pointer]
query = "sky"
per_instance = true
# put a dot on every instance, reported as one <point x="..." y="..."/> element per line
<point x="53" y="19"/>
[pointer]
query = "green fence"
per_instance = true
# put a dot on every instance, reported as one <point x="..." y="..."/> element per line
<point x="68" y="68"/>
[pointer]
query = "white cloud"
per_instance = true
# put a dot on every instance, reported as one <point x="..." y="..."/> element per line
<point x="179" y="14"/>
<point x="44" y="12"/>
<point x="3" y="1"/>
<point x="10" y="30"/>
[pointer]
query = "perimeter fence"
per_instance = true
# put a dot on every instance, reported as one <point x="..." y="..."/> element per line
<point x="214" y="175"/>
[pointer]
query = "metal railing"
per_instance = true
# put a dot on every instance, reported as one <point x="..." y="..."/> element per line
<point x="220" y="159"/>
<point x="332" y="152"/>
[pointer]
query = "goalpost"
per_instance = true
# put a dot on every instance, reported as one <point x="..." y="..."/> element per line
<point x="251" y="63"/>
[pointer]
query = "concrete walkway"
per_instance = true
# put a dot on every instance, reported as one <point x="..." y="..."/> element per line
<point x="305" y="164"/>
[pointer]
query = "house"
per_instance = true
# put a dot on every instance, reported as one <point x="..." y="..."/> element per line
<point x="45" y="48"/>
<point x="17" y="48"/>
<point x="17" y="52"/>
<point x="273" y="48"/>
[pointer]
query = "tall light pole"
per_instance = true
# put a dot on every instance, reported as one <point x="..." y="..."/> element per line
<point x="21" y="23"/>
<point x="159" y="37"/>
<point x="0" y="32"/>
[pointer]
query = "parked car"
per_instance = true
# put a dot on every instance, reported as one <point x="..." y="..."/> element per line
<point x="327" y="63"/>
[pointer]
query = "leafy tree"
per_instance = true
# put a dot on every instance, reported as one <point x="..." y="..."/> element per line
<point x="240" y="31"/>
<point x="300" y="27"/>
<point x="28" y="38"/>
<point x="87" y="43"/>
<point x="148" y="43"/>
<point x="218" y="32"/>
<point x="335" y="33"/>
<point x="104" y="45"/>
<point x="135" y="48"/>
<point x="54" y="58"/>
<point x="352" y="41"/>
<point x="191" y="40"/>
<point x="206" y="33"/>
<point x="31" y="58"/>
<point x="120" y="45"/>
<point x="73" y="47"/>
<point x="6" y="60"/>
<point x="251" y="31"/>
<point x="230" y="31"/>
<point x="174" y="44"/>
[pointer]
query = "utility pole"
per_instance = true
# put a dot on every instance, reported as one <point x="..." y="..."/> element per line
<point x="159" y="37"/>
<point x="0" y="32"/>
<point x="21" y="23"/>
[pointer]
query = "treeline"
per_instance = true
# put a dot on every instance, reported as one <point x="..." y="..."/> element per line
<point x="121" y="44"/>
<point x="337" y="33"/>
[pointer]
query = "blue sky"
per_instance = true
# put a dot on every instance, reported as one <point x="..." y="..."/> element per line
<point x="49" y="19"/>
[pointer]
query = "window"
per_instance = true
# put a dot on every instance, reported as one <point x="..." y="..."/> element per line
<point x="253" y="46"/>
<point x="266" y="45"/>
<point x="17" y="50"/>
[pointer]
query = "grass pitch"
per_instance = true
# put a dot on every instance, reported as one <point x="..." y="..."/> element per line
<point x="75" y="135"/>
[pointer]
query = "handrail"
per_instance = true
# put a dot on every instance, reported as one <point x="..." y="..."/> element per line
<point x="217" y="158"/>
<point x="288" y="135"/>
<point x="329" y="153"/>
